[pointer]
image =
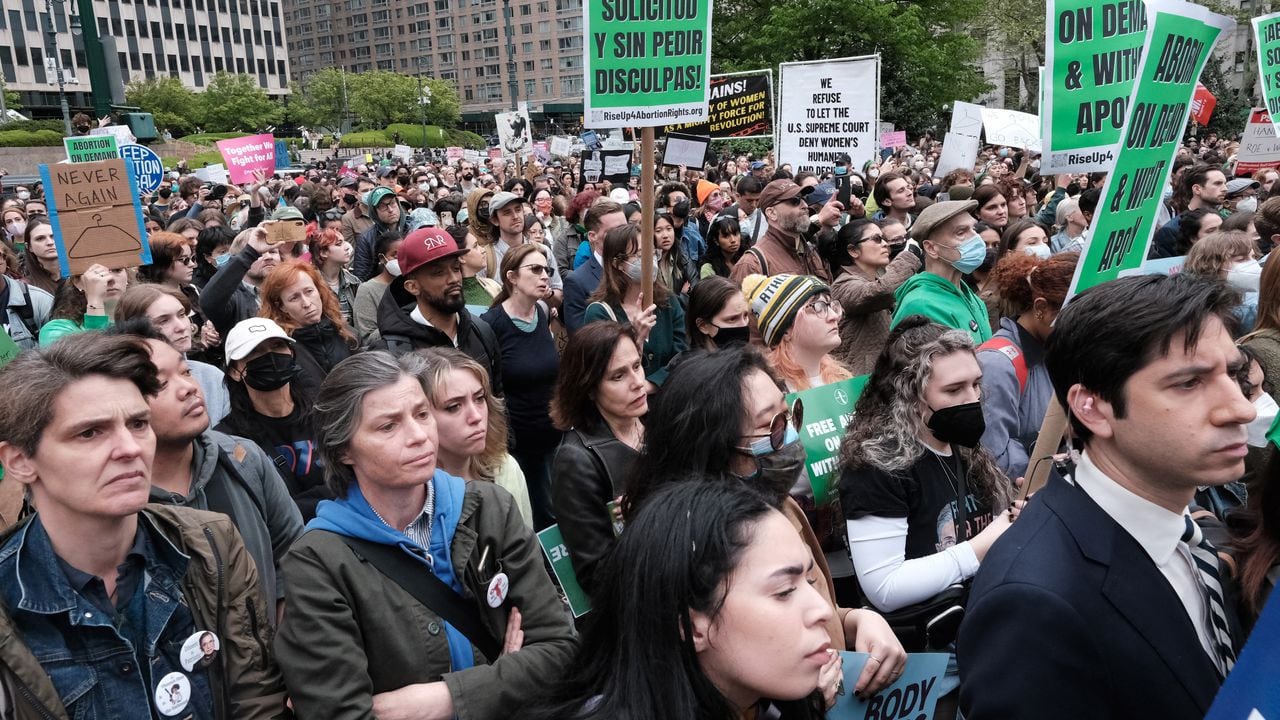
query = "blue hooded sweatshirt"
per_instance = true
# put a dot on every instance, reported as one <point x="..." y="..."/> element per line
<point x="352" y="516"/>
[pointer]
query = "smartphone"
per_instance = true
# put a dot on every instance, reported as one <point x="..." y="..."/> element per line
<point x="446" y="219"/>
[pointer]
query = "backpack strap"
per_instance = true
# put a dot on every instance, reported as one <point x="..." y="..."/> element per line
<point x="764" y="266"/>
<point x="607" y="310"/>
<point x="25" y="312"/>
<point x="1006" y="347"/>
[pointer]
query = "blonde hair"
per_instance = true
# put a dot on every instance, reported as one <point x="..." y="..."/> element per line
<point x="439" y="363"/>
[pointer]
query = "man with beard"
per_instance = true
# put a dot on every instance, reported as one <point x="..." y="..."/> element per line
<point x="783" y="248"/>
<point x="424" y="307"/>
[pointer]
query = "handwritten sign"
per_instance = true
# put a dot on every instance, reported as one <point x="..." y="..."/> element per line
<point x="1259" y="147"/>
<point x="243" y="155"/>
<point x="893" y="139"/>
<point x="1011" y="128"/>
<point x="95" y="215"/>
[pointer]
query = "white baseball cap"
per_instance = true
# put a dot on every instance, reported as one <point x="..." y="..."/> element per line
<point x="249" y="334"/>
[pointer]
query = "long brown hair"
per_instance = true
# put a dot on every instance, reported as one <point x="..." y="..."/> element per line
<point x="1257" y="539"/>
<point x="137" y="300"/>
<point x="286" y="274"/>
<point x="439" y="363"/>
<point x="621" y="245"/>
<point x="511" y="263"/>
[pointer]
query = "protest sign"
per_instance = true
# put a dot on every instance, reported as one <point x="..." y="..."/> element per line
<point x="687" y="150"/>
<point x="741" y="106"/>
<point x="914" y="695"/>
<point x="1259" y="147"/>
<point x="471" y="156"/>
<point x="8" y="349"/>
<point x="91" y="148"/>
<point x="402" y="152"/>
<point x="828" y="109"/>
<point x="215" y="173"/>
<point x="282" y="155"/>
<point x="1179" y="40"/>
<point x="611" y="165"/>
<point x="95" y="215"/>
<point x="959" y="152"/>
<point x="541" y="151"/>
<point x="148" y="168"/>
<point x="646" y="64"/>
<point x="826" y="410"/>
<point x="243" y="155"/>
<point x="1266" y="31"/>
<point x="1011" y="128"/>
<point x="122" y="134"/>
<point x="1250" y="691"/>
<point x="1202" y="105"/>
<point x="1091" y="61"/>
<point x="591" y="140"/>
<point x="895" y="139"/>
<point x="560" y="147"/>
<point x="558" y="555"/>
<point x="1159" y="266"/>
<point x="454" y="154"/>
<point x="514" y="136"/>
<point x="966" y="119"/>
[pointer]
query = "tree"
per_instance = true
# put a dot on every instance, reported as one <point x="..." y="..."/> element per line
<point x="1233" y="105"/>
<point x="928" y="59"/>
<point x="444" y="109"/>
<point x="381" y="97"/>
<point x="320" y="102"/>
<point x="168" y="100"/>
<point x="235" y="102"/>
<point x="12" y="100"/>
<point x="1014" y="33"/>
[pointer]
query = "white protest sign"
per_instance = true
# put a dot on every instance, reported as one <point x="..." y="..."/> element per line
<point x="687" y="150"/>
<point x="561" y="146"/>
<point x="404" y="152"/>
<point x="828" y="109"/>
<point x="471" y="156"/>
<point x="959" y="152"/>
<point x="1259" y="148"/>
<point x="966" y="119"/>
<point x="514" y="135"/>
<point x="1012" y="128"/>
<point x="215" y="173"/>
<point x="617" y="164"/>
<point x="123" y="135"/>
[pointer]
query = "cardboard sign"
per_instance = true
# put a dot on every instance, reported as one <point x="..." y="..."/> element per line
<point x="243" y="155"/>
<point x="1259" y="147"/>
<point x="285" y="231"/>
<point x="282" y="155"/>
<point x="515" y="135"/>
<point x="827" y="411"/>
<point x="560" y="147"/>
<point x="914" y="695"/>
<point x="91" y="148"/>
<point x="687" y="150"/>
<point x="1011" y="128"/>
<point x="966" y="119"/>
<point x="959" y="152"/>
<point x="893" y="139"/>
<point x="557" y="553"/>
<point x="611" y="165"/>
<point x="828" y="109"/>
<point x="741" y="106"/>
<point x="95" y="215"/>
<point x="122" y="134"/>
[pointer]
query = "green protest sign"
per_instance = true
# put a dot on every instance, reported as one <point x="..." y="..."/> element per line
<point x="1092" y="51"/>
<point x="8" y="348"/>
<point x="91" y="148"/>
<point x="827" y="410"/>
<point x="558" y="555"/>
<point x="646" y="61"/>
<point x="1180" y="40"/>
<point x="1266" y="31"/>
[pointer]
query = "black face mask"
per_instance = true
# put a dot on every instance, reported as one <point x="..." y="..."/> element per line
<point x="726" y="336"/>
<point x="270" y="372"/>
<point x="349" y="199"/>
<point x="961" y="425"/>
<point x="681" y="209"/>
<point x="778" y="472"/>
<point x="483" y="213"/>
<point x="990" y="260"/>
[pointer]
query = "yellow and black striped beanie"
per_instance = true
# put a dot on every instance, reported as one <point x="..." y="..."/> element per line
<point x="775" y="301"/>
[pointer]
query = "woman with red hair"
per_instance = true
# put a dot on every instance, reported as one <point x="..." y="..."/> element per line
<point x="296" y="296"/>
<point x="331" y="256"/>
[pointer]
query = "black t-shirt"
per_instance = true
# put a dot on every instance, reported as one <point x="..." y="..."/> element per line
<point x="288" y="442"/>
<point x="926" y="497"/>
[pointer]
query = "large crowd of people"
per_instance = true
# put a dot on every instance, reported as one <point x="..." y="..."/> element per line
<point x="266" y="479"/>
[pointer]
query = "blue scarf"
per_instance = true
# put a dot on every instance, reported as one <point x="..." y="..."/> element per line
<point x="352" y="516"/>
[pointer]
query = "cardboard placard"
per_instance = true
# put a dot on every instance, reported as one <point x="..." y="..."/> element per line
<point x="827" y="410"/>
<point x="561" y="146"/>
<point x="403" y="152"/>
<point x="1012" y="128"/>
<point x="95" y="215"/>
<point x="215" y="173"/>
<point x="514" y="132"/>
<point x="913" y="695"/>
<point x="454" y="154"/>
<point x="1259" y="146"/>
<point x="828" y="109"/>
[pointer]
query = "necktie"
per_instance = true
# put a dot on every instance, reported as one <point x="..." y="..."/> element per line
<point x="1206" y="563"/>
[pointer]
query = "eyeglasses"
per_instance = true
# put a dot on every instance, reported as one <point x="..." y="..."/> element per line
<point x="540" y="269"/>
<point x="898" y="240"/>
<point x="825" y="307"/>
<point x="186" y="259"/>
<point x="877" y="239"/>
<point x="778" y="425"/>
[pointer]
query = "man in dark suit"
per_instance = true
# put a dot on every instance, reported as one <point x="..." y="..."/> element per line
<point x="602" y="216"/>
<point x="1103" y="600"/>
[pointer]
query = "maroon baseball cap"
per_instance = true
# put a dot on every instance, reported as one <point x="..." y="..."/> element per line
<point x="425" y="245"/>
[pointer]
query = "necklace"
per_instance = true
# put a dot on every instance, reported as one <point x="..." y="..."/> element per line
<point x="951" y="476"/>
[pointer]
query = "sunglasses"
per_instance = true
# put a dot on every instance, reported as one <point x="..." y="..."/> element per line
<point x="540" y="270"/>
<point x="777" y="435"/>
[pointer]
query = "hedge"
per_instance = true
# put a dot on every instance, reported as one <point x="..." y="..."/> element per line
<point x="366" y="140"/>
<point x="27" y="138"/>
<point x="34" y="125"/>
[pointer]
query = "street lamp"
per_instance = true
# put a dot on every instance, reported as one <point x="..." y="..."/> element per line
<point x="51" y="34"/>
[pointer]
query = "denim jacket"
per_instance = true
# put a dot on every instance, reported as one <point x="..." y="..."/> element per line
<point x="196" y="577"/>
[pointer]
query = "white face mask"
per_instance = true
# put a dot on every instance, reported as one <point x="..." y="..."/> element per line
<point x="1245" y="276"/>
<point x="1248" y="204"/>
<point x="1040" y="250"/>
<point x="24" y="195"/>
<point x="16" y="228"/>
<point x="1267" y="410"/>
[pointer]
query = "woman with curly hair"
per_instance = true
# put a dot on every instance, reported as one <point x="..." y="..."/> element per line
<point x="297" y="297"/>
<point x="923" y="501"/>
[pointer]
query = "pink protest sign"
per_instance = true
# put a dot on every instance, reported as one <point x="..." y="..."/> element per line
<point x="243" y="155"/>
<point x="893" y="139"/>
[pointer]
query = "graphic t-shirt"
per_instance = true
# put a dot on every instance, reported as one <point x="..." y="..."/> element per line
<point x="288" y="442"/>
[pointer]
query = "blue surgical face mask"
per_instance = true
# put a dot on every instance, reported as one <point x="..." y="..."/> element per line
<point x="220" y="260"/>
<point x="763" y="446"/>
<point x="972" y="252"/>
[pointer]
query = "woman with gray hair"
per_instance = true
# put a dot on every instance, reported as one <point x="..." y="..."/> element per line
<point x="923" y="501"/>
<point x="414" y="593"/>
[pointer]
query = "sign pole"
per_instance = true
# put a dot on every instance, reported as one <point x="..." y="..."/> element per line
<point x="1041" y="460"/>
<point x="646" y="227"/>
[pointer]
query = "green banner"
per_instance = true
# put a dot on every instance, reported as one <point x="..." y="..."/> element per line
<point x="8" y="348"/>
<point x="91" y="148"/>
<point x="646" y="62"/>
<point x="1092" y="54"/>
<point x="558" y="555"/>
<point x="827" y="410"/>
<point x="1180" y="40"/>
<point x="1266" y="31"/>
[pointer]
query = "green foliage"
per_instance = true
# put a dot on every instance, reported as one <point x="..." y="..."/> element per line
<point x="444" y="109"/>
<point x="928" y="59"/>
<point x="381" y="97"/>
<point x="1232" y="111"/>
<point x="197" y="161"/>
<point x="211" y="138"/>
<point x="173" y="105"/>
<point x="12" y="100"/>
<point x="318" y="103"/>
<point x="466" y="139"/>
<point x="758" y="147"/>
<point x="35" y="125"/>
<point x="29" y="138"/>
<point x="412" y="135"/>
<point x="373" y="139"/>
<point x="235" y="102"/>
